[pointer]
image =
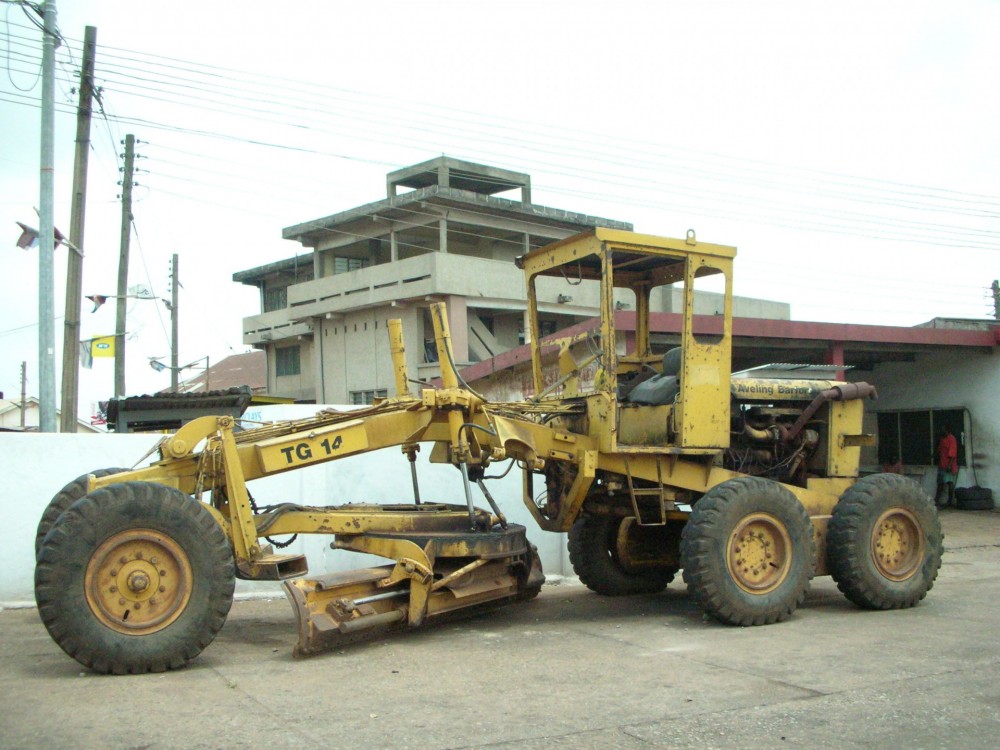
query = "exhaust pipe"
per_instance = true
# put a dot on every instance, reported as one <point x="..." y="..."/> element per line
<point x="843" y="392"/>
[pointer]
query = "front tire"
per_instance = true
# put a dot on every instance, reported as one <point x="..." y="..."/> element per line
<point x="594" y="553"/>
<point x="885" y="543"/>
<point x="748" y="552"/>
<point x="62" y="500"/>
<point x="134" y="577"/>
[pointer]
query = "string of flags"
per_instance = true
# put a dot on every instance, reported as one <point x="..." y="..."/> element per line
<point x="104" y="346"/>
<point x="139" y="291"/>
<point x="29" y="238"/>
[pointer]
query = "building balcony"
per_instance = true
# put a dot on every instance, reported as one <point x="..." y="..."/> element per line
<point x="424" y="276"/>
<point x="273" y="326"/>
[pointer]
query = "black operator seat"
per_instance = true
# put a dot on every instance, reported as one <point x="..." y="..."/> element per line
<point x="663" y="388"/>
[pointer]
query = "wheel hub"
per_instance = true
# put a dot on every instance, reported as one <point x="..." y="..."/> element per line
<point x="759" y="552"/>
<point x="897" y="546"/>
<point x="138" y="582"/>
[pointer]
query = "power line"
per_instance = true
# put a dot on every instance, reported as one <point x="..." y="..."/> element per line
<point x="809" y="212"/>
<point x="810" y="218"/>
<point x="809" y="223"/>
<point x="240" y="96"/>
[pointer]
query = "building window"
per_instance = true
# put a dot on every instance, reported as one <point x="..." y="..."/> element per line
<point x="361" y="398"/>
<point x="913" y="435"/>
<point x="343" y="265"/>
<point x="287" y="361"/>
<point x="275" y="299"/>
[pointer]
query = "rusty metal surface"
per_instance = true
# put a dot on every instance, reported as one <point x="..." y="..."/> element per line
<point x="455" y="571"/>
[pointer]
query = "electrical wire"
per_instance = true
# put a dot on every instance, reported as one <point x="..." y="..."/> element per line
<point x="222" y="73"/>
<point x="562" y="134"/>
<point x="892" y="228"/>
<point x="415" y="212"/>
<point x="38" y="75"/>
<point x="929" y="226"/>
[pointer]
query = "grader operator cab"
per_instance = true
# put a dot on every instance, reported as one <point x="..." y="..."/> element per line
<point x="653" y="463"/>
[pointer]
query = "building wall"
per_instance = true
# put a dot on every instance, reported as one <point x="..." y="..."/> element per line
<point x="355" y="351"/>
<point x="301" y="386"/>
<point x="943" y="380"/>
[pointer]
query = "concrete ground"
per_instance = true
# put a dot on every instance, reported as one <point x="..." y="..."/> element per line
<point x="568" y="670"/>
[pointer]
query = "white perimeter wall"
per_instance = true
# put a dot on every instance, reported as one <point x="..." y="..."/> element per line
<point x="951" y="380"/>
<point x="36" y="466"/>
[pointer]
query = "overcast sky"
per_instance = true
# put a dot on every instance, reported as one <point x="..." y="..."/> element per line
<point x="847" y="149"/>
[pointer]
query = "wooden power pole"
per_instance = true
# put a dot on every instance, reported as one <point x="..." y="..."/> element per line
<point x="126" y="236"/>
<point x="24" y="393"/>
<point x="74" y="257"/>
<point x="174" y="283"/>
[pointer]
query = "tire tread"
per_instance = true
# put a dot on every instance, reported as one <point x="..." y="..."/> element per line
<point x="707" y="577"/>
<point x="849" y="540"/>
<point x="592" y="563"/>
<point x="84" y="526"/>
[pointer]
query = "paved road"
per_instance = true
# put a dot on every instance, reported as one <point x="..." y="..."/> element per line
<point x="569" y="670"/>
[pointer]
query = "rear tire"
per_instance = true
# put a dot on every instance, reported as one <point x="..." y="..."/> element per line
<point x="593" y="553"/>
<point x="885" y="543"/>
<point x="134" y="577"/>
<point x="748" y="552"/>
<point x="63" y="500"/>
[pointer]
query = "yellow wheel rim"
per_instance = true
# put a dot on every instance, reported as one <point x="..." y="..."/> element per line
<point x="138" y="582"/>
<point x="897" y="544"/>
<point x="759" y="553"/>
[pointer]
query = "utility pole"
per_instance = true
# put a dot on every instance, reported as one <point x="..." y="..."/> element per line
<point x="24" y="392"/>
<point x="996" y="298"/>
<point x="46" y="231"/>
<point x="174" y="283"/>
<point x="74" y="259"/>
<point x="123" y="266"/>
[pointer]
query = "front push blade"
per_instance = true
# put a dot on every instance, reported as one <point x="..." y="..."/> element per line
<point x="467" y="570"/>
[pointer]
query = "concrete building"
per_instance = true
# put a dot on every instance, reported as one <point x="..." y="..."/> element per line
<point x="449" y="237"/>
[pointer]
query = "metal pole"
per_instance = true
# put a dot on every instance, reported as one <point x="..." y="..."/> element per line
<point x="24" y="393"/>
<point x="46" y="236"/>
<point x="173" y="325"/>
<point x="468" y="494"/>
<point x="126" y="235"/>
<point x="74" y="260"/>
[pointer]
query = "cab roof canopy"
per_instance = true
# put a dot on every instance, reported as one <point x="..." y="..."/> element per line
<point x="634" y="258"/>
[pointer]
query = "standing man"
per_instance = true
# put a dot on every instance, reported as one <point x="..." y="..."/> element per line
<point x="947" y="472"/>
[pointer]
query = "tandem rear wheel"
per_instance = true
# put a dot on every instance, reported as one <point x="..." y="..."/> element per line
<point x="603" y="549"/>
<point x="884" y="543"/>
<point x="748" y="552"/>
<point x="134" y="577"/>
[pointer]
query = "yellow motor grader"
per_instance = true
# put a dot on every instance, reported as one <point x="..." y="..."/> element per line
<point x="653" y="462"/>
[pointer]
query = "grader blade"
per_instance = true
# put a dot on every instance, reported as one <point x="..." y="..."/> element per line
<point x="435" y="575"/>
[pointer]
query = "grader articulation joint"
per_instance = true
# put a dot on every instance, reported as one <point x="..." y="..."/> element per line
<point x="652" y="463"/>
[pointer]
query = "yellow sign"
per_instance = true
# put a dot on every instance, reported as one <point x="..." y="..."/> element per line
<point x="102" y="346"/>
